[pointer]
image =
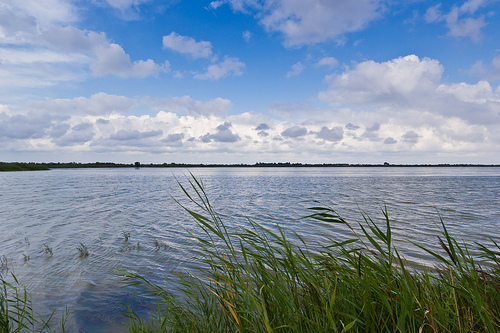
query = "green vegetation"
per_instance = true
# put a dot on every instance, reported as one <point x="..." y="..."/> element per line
<point x="22" y="166"/>
<point x="47" y="250"/>
<point x="16" y="311"/>
<point x="82" y="249"/>
<point x="257" y="279"/>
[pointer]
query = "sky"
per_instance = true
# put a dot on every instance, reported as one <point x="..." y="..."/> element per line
<point x="248" y="81"/>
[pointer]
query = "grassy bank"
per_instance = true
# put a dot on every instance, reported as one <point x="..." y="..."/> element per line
<point x="22" y="167"/>
<point x="258" y="279"/>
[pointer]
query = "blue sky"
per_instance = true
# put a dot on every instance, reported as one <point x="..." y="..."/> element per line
<point x="246" y="81"/>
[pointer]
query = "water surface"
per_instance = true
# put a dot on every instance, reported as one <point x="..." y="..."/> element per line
<point x="63" y="207"/>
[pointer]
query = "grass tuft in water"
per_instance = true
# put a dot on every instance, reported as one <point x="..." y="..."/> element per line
<point x="257" y="279"/>
<point x="82" y="248"/>
<point x="47" y="250"/>
<point x="126" y="235"/>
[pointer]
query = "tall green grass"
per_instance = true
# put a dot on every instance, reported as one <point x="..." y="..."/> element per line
<point x="257" y="279"/>
<point x="16" y="310"/>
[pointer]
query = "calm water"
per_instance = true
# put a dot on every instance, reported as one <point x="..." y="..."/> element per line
<point x="64" y="207"/>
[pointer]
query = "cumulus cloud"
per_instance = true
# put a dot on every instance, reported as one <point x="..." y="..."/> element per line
<point x="390" y="141"/>
<point x="20" y="126"/>
<point x="229" y="66"/>
<point x="187" y="45"/>
<point x="247" y="35"/>
<point x="487" y="72"/>
<point x="262" y="127"/>
<point x="77" y="135"/>
<point x="351" y="127"/>
<point x="411" y="83"/>
<point x="223" y="134"/>
<point x="335" y="134"/>
<point x="173" y="140"/>
<point x="217" y="106"/>
<point x="125" y="135"/>
<point x="371" y="133"/>
<point x="458" y="25"/>
<point x="294" y="132"/>
<point x="98" y="104"/>
<point x="296" y="70"/>
<point x="112" y="59"/>
<point x="125" y="4"/>
<point x="330" y="62"/>
<point x="410" y="137"/>
<point x="309" y="22"/>
<point x="55" y="51"/>
<point x="402" y="80"/>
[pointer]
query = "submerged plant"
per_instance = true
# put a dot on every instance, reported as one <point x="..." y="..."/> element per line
<point x="156" y="243"/>
<point x="4" y="264"/>
<point x="257" y="279"/>
<point x="126" y="235"/>
<point x="47" y="250"/>
<point x="82" y="248"/>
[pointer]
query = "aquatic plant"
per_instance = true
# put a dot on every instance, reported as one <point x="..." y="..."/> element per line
<point x="258" y="279"/>
<point x="16" y="311"/>
<point x="47" y="250"/>
<point x="82" y="248"/>
<point x="26" y="257"/>
<point x="126" y="235"/>
<point x="4" y="264"/>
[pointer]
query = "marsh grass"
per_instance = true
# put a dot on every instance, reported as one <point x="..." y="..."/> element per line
<point x="83" y="250"/>
<point x="47" y="250"/>
<point x="16" y="311"/>
<point x="257" y="279"/>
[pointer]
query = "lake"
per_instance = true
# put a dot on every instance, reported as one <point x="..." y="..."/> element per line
<point x="62" y="208"/>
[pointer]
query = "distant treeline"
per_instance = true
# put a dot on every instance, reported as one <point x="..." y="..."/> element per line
<point x="22" y="166"/>
<point x="52" y="165"/>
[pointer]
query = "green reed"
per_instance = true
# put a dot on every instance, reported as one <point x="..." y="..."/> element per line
<point x="83" y="250"/>
<point x="257" y="279"/>
<point x="16" y="310"/>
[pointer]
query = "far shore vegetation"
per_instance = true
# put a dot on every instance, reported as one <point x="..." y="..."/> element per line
<point x="270" y="279"/>
<point x="22" y="166"/>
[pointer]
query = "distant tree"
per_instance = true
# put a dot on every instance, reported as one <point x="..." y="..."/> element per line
<point x="137" y="164"/>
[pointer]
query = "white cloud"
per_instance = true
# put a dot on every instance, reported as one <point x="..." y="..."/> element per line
<point x="223" y="134"/>
<point x="487" y="72"/>
<point x="411" y="84"/>
<point x="45" y="13"/>
<point x="467" y="27"/>
<point x="458" y="25"/>
<point x="479" y="93"/>
<point x="335" y="134"/>
<point x="402" y="80"/>
<point x="112" y="59"/>
<point x="313" y="21"/>
<point x="229" y="66"/>
<point x="294" y="132"/>
<point x="125" y="4"/>
<point x="214" y="107"/>
<point x="39" y="47"/>
<point x="97" y="105"/>
<point x="187" y="45"/>
<point x="247" y="35"/>
<point x="296" y="70"/>
<point x="328" y="61"/>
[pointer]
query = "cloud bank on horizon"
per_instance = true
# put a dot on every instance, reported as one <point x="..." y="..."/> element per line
<point x="246" y="81"/>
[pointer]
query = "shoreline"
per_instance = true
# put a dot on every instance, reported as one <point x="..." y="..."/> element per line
<point x="23" y="166"/>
